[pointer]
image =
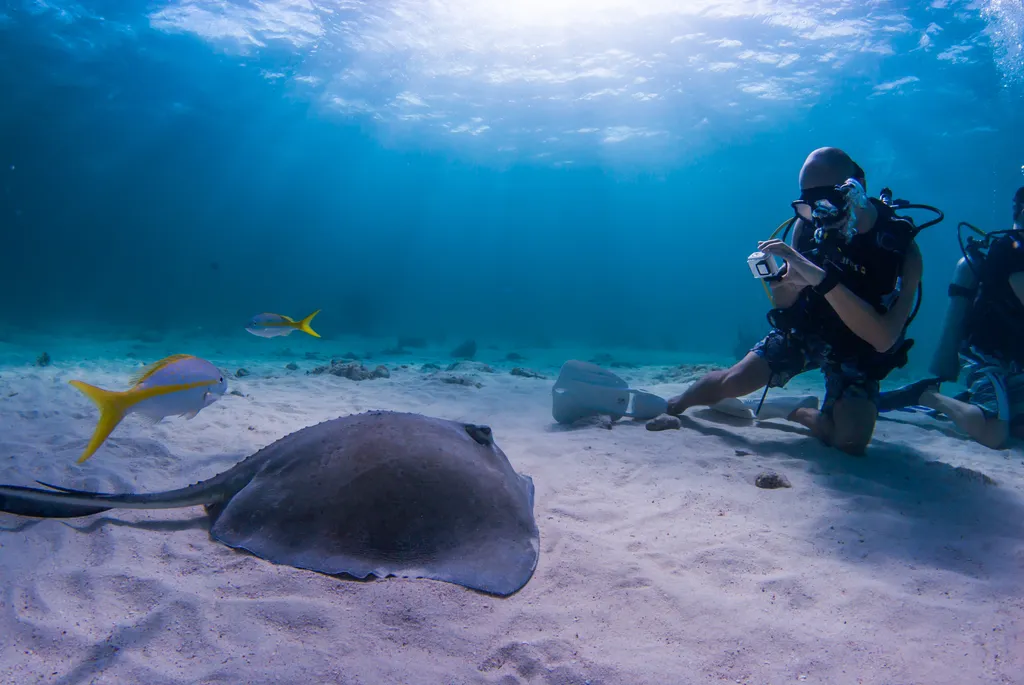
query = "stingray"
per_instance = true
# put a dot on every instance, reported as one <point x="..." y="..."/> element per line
<point x="373" y="494"/>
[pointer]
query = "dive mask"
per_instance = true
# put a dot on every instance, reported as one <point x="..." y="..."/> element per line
<point x="830" y="209"/>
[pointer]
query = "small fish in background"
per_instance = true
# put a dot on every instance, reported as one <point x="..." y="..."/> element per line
<point x="272" y="325"/>
<point x="179" y="385"/>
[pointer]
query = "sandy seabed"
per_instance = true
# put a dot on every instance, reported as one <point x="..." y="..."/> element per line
<point x="661" y="562"/>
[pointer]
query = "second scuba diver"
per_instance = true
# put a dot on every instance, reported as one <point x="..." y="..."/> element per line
<point x="843" y="301"/>
<point x="983" y="338"/>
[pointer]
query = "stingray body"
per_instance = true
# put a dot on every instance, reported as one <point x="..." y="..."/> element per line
<point x="379" y="493"/>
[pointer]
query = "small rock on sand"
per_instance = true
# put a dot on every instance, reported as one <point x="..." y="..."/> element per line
<point x="770" y="480"/>
<point x="526" y="373"/>
<point x="455" y="379"/>
<point x="664" y="422"/>
<point x="352" y="370"/>
<point x="470" y="366"/>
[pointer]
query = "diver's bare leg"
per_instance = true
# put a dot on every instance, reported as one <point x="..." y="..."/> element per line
<point x="744" y="377"/>
<point x="990" y="432"/>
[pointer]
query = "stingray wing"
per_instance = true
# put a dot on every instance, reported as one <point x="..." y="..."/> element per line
<point x="390" y="494"/>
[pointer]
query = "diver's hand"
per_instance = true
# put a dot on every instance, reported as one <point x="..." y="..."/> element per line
<point x="800" y="270"/>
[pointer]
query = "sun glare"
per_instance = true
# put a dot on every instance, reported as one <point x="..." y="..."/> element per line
<point x="554" y="14"/>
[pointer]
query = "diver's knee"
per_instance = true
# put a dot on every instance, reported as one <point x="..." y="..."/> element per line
<point x="853" y="425"/>
<point x="994" y="434"/>
<point x="855" y="448"/>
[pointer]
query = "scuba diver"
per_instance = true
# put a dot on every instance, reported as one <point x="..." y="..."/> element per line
<point x="983" y="338"/>
<point x="843" y="298"/>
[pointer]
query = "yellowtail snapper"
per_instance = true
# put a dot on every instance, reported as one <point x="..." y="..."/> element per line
<point x="269" y="325"/>
<point x="179" y="385"/>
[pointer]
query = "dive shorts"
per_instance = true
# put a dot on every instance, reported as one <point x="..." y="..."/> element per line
<point x="789" y="356"/>
<point x="996" y="387"/>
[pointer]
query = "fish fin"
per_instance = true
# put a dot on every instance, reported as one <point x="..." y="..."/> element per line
<point x="304" y="325"/>
<point x="148" y="371"/>
<point x="113" y="406"/>
<point x="189" y="415"/>
<point x="286" y="318"/>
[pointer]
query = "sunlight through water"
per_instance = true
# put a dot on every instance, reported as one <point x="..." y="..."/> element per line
<point x="624" y="75"/>
<point x="553" y="80"/>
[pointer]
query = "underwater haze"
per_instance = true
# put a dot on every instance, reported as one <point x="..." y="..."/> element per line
<point x="586" y="172"/>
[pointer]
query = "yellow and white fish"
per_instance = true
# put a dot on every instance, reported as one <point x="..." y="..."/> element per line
<point x="272" y="325"/>
<point x="179" y="385"/>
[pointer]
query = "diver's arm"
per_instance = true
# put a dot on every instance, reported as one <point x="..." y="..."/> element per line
<point x="785" y="291"/>
<point x="1017" y="283"/>
<point x="945" y="362"/>
<point x="880" y="330"/>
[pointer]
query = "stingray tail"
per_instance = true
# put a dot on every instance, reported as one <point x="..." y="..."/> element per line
<point x="60" y="502"/>
<point x="24" y="502"/>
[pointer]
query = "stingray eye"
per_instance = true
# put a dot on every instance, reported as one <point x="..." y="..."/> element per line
<point x="221" y="379"/>
<point x="482" y="434"/>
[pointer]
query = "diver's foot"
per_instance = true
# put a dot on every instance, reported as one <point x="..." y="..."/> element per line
<point x="908" y="395"/>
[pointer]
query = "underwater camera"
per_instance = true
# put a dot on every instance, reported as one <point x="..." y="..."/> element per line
<point x="763" y="265"/>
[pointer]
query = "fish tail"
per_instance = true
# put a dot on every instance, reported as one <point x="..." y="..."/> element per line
<point x="305" y="327"/>
<point x="113" y="406"/>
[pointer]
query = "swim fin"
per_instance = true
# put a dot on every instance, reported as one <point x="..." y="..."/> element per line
<point x="778" y="407"/>
<point x="584" y="389"/>
<point x="918" y="409"/>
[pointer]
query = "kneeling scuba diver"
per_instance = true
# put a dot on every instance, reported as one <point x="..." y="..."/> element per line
<point x="984" y="312"/>
<point x="869" y="264"/>
<point x="982" y="331"/>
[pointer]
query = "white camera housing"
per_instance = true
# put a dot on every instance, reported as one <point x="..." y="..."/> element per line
<point x="762" y="265"/>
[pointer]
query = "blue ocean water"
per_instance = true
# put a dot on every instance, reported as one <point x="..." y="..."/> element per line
<point x="558" y="172"/>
